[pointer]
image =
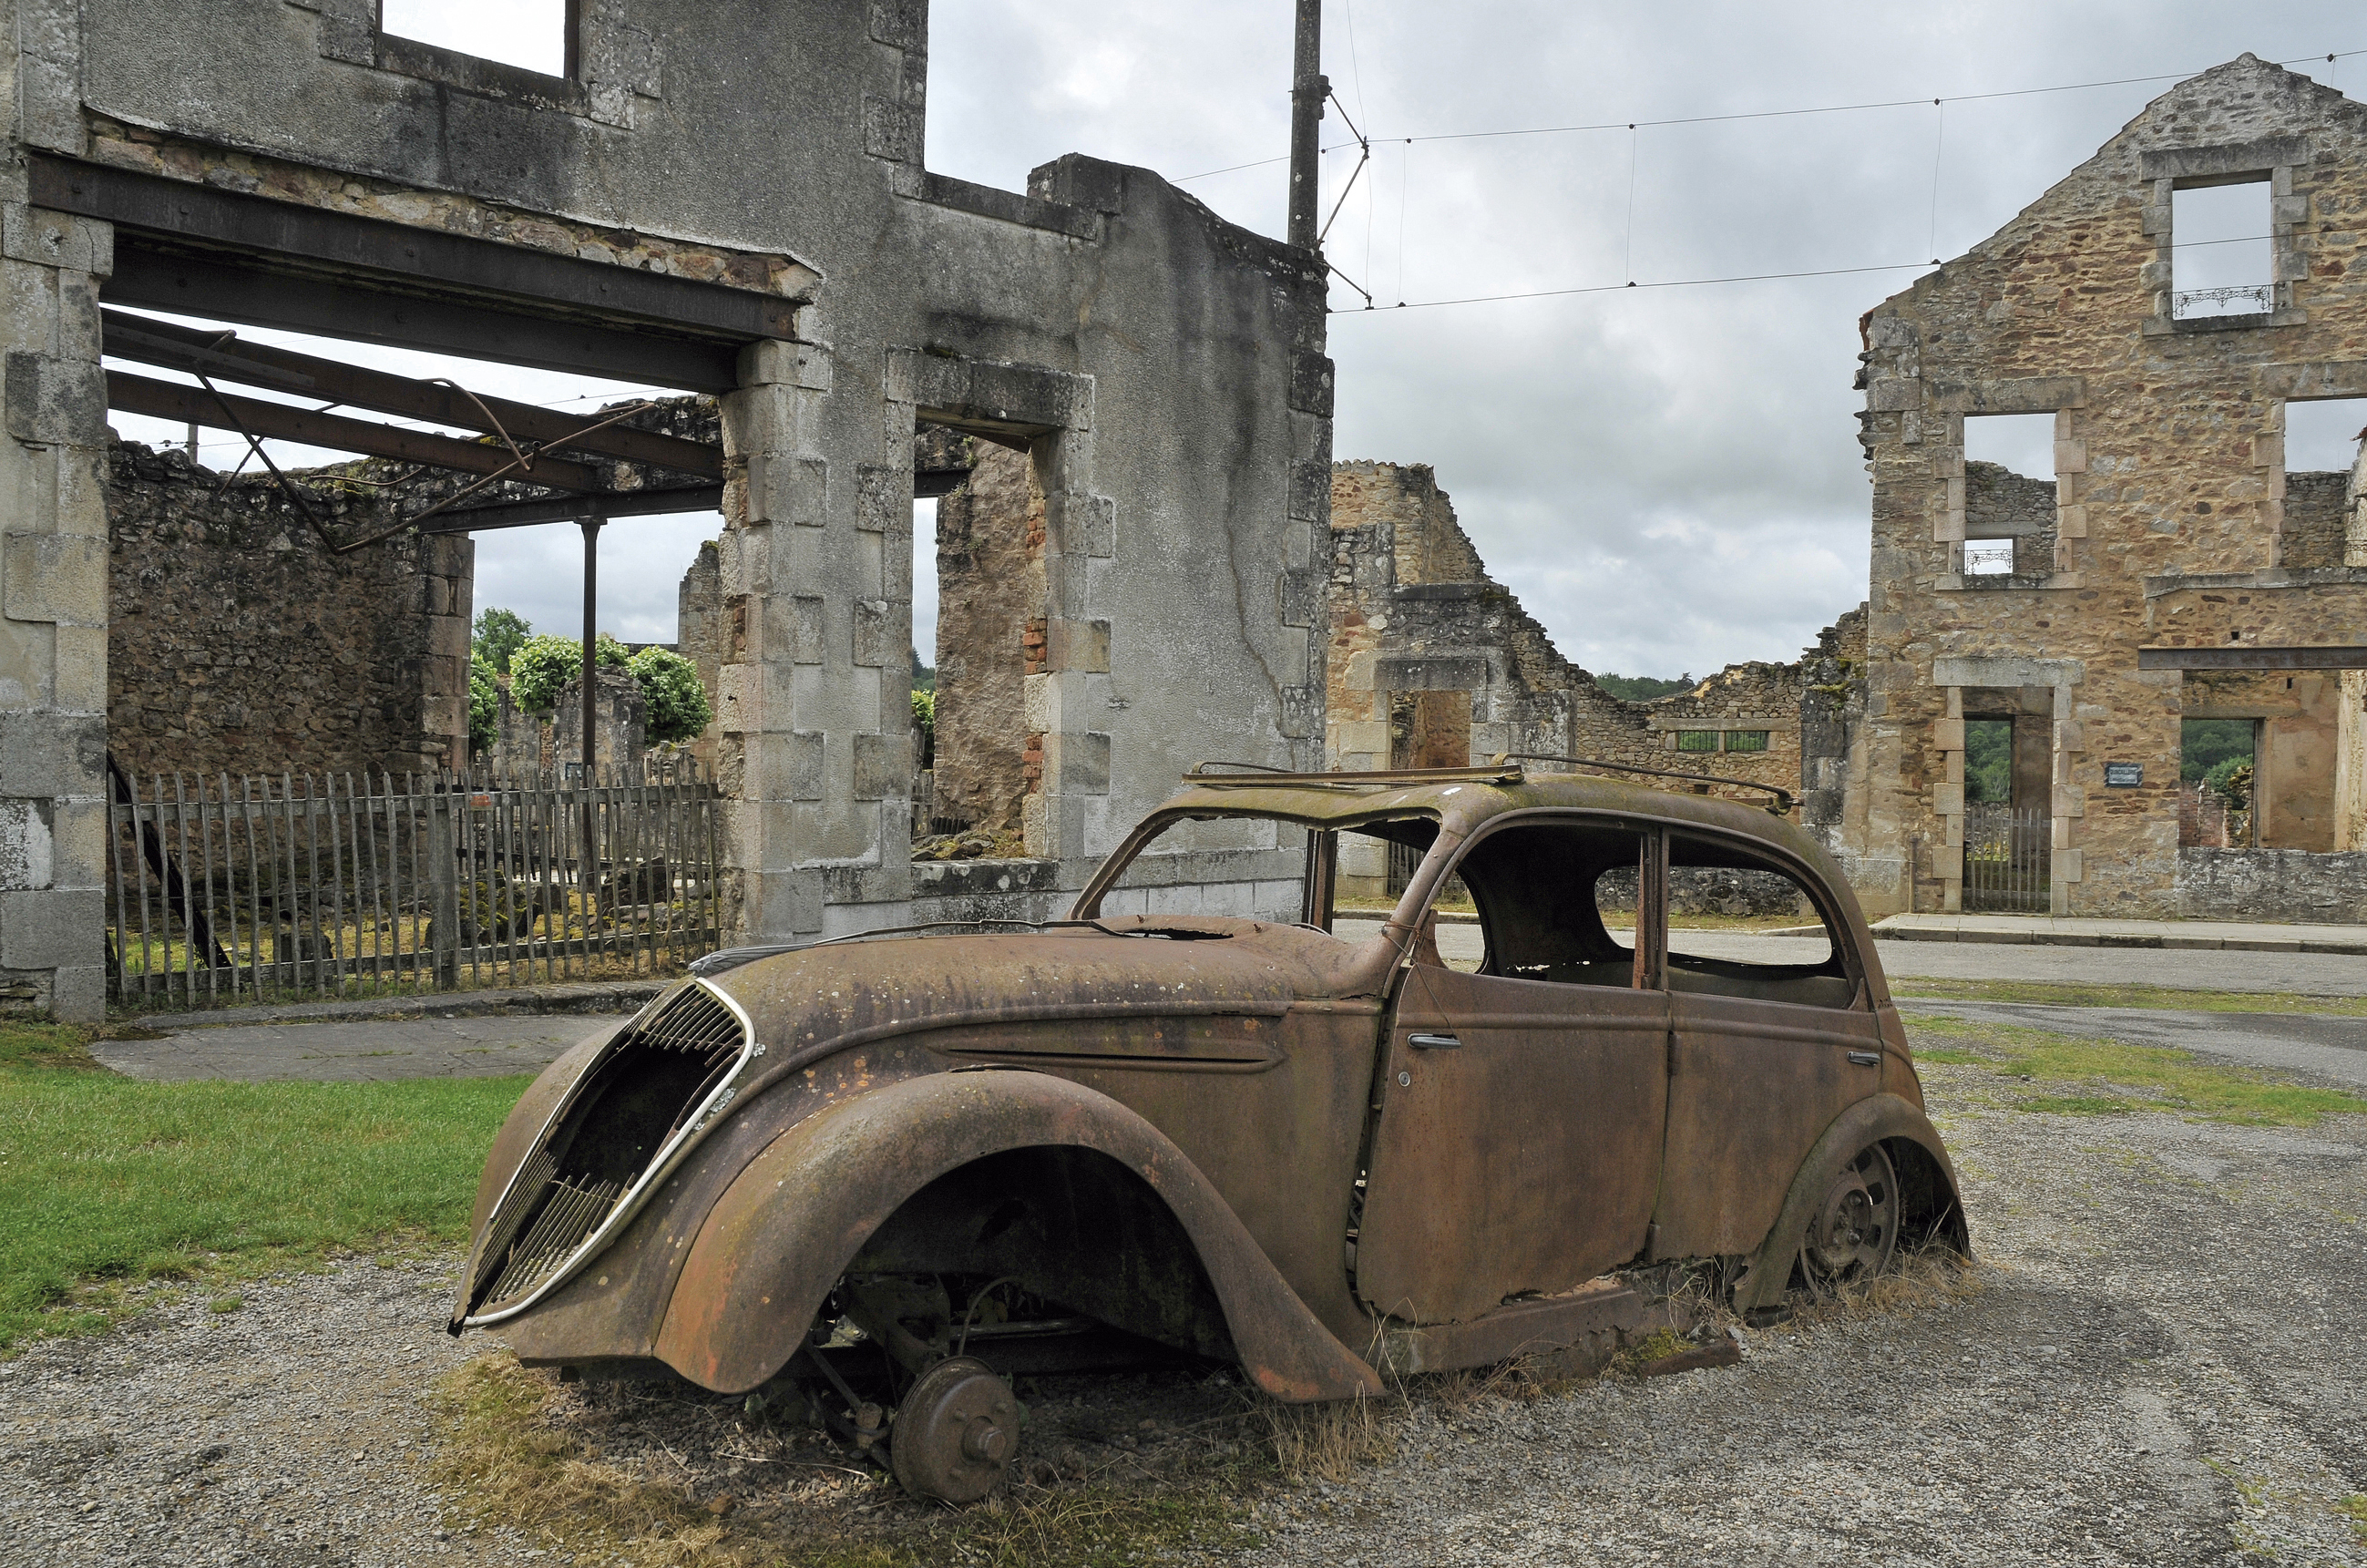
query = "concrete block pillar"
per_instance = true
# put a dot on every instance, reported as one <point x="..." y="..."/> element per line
<point x="809" y="652"/>
<point x="1067" y="818"/>
<point x="53" y="614"/>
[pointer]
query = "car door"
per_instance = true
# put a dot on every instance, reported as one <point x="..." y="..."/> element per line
<point x="1767" y="1046"/>
<point x="1517" y="1139"/>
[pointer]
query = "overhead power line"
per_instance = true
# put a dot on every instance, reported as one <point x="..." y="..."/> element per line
<point x="1763" y="114"/>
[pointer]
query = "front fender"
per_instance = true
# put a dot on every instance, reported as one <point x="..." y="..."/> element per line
<point x="788" y="1227"/>
<point x="1877" y="1118"/>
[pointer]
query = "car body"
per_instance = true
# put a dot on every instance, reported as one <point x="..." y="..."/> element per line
<point x="1319" y="1153"/>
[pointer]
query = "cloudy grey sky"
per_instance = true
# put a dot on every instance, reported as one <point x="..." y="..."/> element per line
<point x="1667" y="476"/>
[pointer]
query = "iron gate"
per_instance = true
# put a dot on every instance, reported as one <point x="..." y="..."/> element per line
<point x="2007" y="860"/>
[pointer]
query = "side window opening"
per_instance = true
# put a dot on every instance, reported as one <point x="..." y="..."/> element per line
<point x="1705" y="873"/>
<point x="1547" y="894"/>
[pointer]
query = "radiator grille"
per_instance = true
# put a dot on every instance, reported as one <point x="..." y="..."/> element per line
<point x="635" y="1104"/>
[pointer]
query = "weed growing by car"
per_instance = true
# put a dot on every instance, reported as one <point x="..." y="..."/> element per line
<point x="108" y="1183"/>
<point x="2071" y="1076"/>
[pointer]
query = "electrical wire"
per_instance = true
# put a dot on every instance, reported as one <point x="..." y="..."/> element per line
<point x="1769" y="114"/>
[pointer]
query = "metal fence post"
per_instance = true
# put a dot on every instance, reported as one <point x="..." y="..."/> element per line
<point x="443" y="891"/>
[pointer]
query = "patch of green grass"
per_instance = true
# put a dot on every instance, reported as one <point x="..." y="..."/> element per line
<point x="2065" y="995"/>
<point x="106" y="1183"/>
<point x="2354" y="1509"/>
<point x="2102" y="1077"/>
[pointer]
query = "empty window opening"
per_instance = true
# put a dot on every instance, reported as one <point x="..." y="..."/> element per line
<point x="1696" y="740"/>
<point x="529" y="34"/>
<point x="2322" y="526"/>
<point x="1746" y="740"/>
<point x="2219" y="250"/>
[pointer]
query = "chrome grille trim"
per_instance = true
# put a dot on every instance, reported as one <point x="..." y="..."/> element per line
<point x="549" y="1256"/>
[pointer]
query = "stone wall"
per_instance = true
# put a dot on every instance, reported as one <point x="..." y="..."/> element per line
<point x="530" y="746"/>
<point x="2177" y="525"/>
<point x="239" y="643"/>
<point x="2317" y="511"/>
<point x="2271" y="884"/>
<point x="2001" y="504"/>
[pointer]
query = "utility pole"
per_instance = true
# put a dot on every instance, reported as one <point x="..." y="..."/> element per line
<point x="588" y="881"/>
<point x="1308" y="89"/>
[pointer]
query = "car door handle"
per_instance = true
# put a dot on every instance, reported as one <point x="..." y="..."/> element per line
<point x="1866" y="1058"/>
<point x="1433" y="1042"/>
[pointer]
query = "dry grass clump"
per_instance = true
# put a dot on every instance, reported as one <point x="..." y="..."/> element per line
<point x="1930" y="1277"/>
<point x="1332" y="1442"/>
<point x="514" y="1466"/>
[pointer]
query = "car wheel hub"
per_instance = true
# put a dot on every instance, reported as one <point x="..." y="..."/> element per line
<point x="1856" y="1226"/>
<point x="955" y="1432"/>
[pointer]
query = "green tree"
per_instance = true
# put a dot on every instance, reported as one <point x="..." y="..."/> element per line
<point x="678" y="705"/>
<point x="484" y="703"/>
<point x="924" y="723"/>
<point x="2205" y="743"/>
<point x="924" y="676"/>
<point x="542" y="668"/>
<point x="1642" y="689"/>
<point x="499" y="633"/>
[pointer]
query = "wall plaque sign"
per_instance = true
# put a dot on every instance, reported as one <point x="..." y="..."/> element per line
<point x="2123" y="775"/>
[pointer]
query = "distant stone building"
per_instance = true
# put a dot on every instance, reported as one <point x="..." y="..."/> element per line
<point x="2169" y="568"/>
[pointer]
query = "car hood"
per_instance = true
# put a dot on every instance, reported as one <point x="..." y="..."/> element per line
<point x="836" y="995"/>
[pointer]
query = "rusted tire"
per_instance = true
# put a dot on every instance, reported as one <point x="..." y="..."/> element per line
<point x="1854" y="1229"/>
<point x="955" y="1432"/>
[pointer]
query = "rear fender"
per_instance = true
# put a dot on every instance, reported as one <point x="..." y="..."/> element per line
<point x="791" y="1222"/>
<point x="1932" y="1208"/>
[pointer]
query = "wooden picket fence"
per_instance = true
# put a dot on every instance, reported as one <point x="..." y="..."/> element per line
<point x="223" y="890"/>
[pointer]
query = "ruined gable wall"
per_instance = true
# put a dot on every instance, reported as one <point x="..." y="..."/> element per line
<point x="1414" y="615"/>
<point x="2169" y="467"/>
<point x="238" y="643"/>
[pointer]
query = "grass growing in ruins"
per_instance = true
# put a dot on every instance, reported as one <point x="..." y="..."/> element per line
<point x="108" y="1183"/>
<point x="2068" y="994"/>
<point x="2100" y="1077"/>
<point x="508" y="1461"/>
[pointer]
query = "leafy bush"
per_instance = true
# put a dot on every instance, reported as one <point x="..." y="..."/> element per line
<point x="542" y="668"/>
<point x="500" y="634"/>
<point x="678" y="705"/>
<point x="924" y="723"/>
<point x="484" y="704"/>
<point x="1642" y="689"/>
<point x="2231" y="779"/>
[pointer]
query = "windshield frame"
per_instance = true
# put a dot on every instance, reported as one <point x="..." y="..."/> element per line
<point x="1150" y="828"/>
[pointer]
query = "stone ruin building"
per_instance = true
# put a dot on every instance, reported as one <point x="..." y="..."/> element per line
<point x="2169" y="568"/>
<point x="701" y="201"/>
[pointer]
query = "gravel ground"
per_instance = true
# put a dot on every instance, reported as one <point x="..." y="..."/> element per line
<point x="2161" y="1365"/>
<point x="288" y="1431"/>
<point x="2164" y="1367"/>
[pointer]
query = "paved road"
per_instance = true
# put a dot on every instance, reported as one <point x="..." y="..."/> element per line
<point x="354" y="1052"/>
<point x="2326" y="1047"/>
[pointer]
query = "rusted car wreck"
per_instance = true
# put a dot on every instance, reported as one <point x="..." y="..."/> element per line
<point x="1255" y="1141"/>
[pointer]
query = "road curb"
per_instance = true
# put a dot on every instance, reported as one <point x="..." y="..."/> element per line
<point x="1885" y="933"/>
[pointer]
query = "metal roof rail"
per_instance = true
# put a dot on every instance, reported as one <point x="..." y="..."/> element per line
<point x="1782" y="806"/>
<point x="1254" y="774"/>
